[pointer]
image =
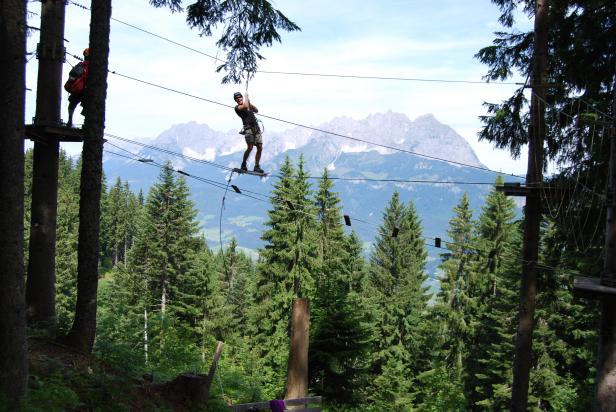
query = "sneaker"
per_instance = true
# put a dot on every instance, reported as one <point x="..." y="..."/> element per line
<point x="257" y="169"/>
<point x="243" y="167"/>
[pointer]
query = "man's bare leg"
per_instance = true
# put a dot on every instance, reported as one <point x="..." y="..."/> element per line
<point x="257" y="158"/>
<point x="258" y="155"/>
<point x="246" y="154"/>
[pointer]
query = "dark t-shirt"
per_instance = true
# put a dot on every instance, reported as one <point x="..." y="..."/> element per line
<point x="248" y="117"/>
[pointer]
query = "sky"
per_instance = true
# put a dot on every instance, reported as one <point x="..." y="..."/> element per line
<point x="417" y="39"/>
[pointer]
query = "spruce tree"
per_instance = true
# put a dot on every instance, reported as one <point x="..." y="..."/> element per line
<point x="452" y="314"/>
<point x="236" y="273"/>
<point x="285" y="270"/>
<point x="66" y="242"/>
<point x="494" y="289"/>
<point x="454" y="302"/>
<point x="397" y="284"/>
<point x="565" y="337"/>
<point x="341" y="334"/>
<point x="163" y="259"/>
<point x="247" y="25"/>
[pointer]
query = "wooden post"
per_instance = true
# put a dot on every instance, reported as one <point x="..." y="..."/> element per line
<point x="532" y="218"/>
<point x="297" y="377"/>
<point x="195" y="387"/>
<point x="212" y="371"/>
<point x="606" y="361"/>
<point x="40" y="286"/>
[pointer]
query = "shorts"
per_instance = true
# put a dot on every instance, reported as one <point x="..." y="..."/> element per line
<point x="253" y="135"/>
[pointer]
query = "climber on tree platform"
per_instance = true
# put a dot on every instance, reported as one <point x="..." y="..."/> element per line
<point x="250" y="130"/>
<point x="76" y="85"/>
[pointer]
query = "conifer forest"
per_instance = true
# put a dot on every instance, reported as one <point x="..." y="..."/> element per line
<point x="136" y="305"/>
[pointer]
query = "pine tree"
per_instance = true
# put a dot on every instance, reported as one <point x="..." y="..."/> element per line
<point x="164" y="258"/>
<point x="341" y="334"/>
<point x="565" y="337"/>
<point x="237" y="271"/>
<point x="285" y="270"/>
<point x="248" y="25"/>
<point x="453" y="297"/>
<point x="397" y="283"/>
<point x="494" y="289"/>
<point x="66" y="240"/>
<point x="452" y="315"/>
<point x="119" y="222"/>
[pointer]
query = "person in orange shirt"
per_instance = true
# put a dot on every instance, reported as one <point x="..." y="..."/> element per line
<point x="76" y="85"/>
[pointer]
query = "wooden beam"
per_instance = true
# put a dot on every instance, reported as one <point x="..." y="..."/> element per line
<point x="514" y="189"/>
<point x="53" y="133"/>
<point x="591" y="287"/>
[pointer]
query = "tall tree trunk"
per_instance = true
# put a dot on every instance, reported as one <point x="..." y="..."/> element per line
<point x="83" y="330"/>
<point x="297" y="377"/>
<point x="40" y="286"/>
<point x="532" y="217"/>
<point x="13" y="343"/>
<point x="606" y="360"/>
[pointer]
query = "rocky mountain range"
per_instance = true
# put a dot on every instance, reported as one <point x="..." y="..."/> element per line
<point x="346" y="147"/>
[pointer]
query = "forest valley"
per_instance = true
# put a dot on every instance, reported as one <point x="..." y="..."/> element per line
<point x="378" y="339"/>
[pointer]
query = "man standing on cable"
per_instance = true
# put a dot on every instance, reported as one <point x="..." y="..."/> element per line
<point x="250" y="130"/>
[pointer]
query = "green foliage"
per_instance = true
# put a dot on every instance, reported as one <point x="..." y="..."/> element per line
<point x="247" y="25"/>
<point x="51" y="395"/>
<point x="495" y="290"/>
<point x="342" y="323"/>
<point x="581" y="61"/>
<point x="396" y="285"/>
<point x="67" y="226"/>
<point x="285" y="270"/>
<point x="442" y="390"/>
<point x="237" y="271"/>
<point x="455" y="305"/>
<point x="376" y="343"/>
<point x="120" y="213"/>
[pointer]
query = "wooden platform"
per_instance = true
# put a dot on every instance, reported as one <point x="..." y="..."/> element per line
<point x="59" y="133"/>
<point x="513" y="189"/>
<point x="591" y="287"/>
<point x="311" y="404"/>
<point x="248" y="172"/>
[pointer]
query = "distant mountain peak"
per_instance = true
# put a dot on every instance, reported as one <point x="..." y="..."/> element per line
<point x="427" y="118"/>
<point x="425" y="135"/>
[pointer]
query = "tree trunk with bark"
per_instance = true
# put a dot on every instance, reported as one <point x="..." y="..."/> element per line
<point x="41" y="282"/>
<point x="297" y="377"/>
<point x="13" y="343"/>
<point x="83" y="331"/>
<point x="532" y="217"/>
<point x="606" y="359"/>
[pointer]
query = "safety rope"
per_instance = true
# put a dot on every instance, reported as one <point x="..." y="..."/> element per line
<point x="222" y="207"/>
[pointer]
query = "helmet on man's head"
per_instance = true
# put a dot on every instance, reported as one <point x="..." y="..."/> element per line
<point x="86" y="52"/>
<point x="236" y="95"/>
